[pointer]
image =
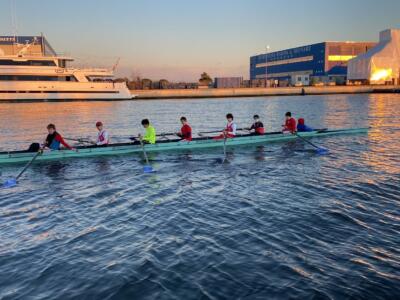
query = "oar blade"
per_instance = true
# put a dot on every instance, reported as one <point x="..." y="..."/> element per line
<point x="9" y="183"/>
<point x="322" y="151"/>
<point x="148" y="169"/>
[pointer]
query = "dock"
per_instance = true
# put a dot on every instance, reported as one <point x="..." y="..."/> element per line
<point x="261" y="92"/>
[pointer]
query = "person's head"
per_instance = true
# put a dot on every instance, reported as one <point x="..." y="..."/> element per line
<point x="51" y="128"/>
<point x="256" y="118"/>
<point x="145" y="123"/>
<point x="288" y="115"/>
<point x="229" y="117"/>
<point x="301" y="121"/>
<point x="183" y="120"/>
<point x="99" y="126"/>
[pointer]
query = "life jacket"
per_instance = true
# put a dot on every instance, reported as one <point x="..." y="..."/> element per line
<point x="290" y="125"/>
<point x="260" y="130"/>
<point x="230" y="132"/>
<point x="101" y="138"/>
<point x="186" y="132"/>
<point x="52" y="142"/>
<point x="229" y="127"/>
<point x="258" y="127"/>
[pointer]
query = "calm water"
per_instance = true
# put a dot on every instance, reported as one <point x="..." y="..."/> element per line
<point x="277" y="222"/>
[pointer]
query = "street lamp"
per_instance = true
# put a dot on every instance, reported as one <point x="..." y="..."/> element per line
<point x="266" y="65"/>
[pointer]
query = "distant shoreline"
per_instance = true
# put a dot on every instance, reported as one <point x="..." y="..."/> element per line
<point x="260" y="92"/>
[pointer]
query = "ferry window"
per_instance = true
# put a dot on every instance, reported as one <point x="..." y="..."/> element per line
<point x="47" y="63"/>
<point x="10" y="62"/>
<point x="36" y="78"/>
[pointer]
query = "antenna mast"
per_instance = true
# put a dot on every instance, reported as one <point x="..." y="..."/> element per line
<point x="14" y="23"/>
<point x="116" y="64"/>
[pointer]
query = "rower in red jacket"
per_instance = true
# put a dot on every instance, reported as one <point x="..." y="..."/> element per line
<point x="186" y="131"/>
<point x="290" y="123"/>
<point x="230" y="129"/>
<point x="54" y="140"/>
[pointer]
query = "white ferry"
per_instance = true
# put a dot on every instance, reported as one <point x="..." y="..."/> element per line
<point x="30" y="70"/>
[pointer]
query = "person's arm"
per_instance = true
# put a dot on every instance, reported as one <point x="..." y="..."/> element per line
<point x="106" y="137"/>
<point x="285" y="127"/>
<point x="292" y="126"/>
<point x="234" y="127"/>
<point x="181" y="132"/>
<point x="44" y="145"/>
<point x="60" y="139"/>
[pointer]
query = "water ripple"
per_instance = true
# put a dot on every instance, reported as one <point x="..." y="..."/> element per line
<point x="277" y="222"/>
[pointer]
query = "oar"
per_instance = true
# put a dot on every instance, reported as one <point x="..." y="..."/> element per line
<point x="225" y="159"/>
<point x="147" y="168"/>
<point x="216" y="131"/>
<point x="167" y="133"/>
<point x="133" y="138"/>
<point x="80" y="141"/>
<point x="320" y="150"/>
<point x="13" y="181"/>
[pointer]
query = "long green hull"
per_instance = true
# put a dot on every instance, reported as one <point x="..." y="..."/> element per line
<point x="119" y="149"/>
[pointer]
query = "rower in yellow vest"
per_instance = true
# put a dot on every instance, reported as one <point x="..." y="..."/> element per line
<point x="150" y="133"/>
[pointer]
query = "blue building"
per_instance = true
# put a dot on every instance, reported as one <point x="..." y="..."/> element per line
<point x="322" y="62"/>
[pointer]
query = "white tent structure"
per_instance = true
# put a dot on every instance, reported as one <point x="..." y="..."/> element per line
<point x="380" y="64"/>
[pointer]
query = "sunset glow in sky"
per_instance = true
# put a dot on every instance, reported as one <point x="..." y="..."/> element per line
<point x="178" y="39"/>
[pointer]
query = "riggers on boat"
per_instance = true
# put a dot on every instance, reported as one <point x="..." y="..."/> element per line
<point x="169" y="145"/>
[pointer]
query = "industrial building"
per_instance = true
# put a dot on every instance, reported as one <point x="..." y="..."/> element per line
<point x="324" y="62"/>
<point x="381" y="64"/>
<point x="228" y="82"/>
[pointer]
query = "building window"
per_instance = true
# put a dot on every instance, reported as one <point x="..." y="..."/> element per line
<point x="286" y="61"/>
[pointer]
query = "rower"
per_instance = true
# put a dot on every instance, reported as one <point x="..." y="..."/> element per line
<point x="302" y="127"/>
<point x="103" y="137"/>
<point x="257" y="126"/>
<point x="150" y="133"/>
<point x="230" y="129"/>
<point x="186" y="131"/>
<point x="54" y="140"/>
<point x="290" y="123"/>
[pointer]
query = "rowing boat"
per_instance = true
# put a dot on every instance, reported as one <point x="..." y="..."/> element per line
<point x="169" y="145"/>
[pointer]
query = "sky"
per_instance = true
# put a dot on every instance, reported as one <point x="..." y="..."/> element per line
<point x="179" y="39"/>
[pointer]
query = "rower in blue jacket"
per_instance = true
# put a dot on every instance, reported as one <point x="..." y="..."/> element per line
<point x="302" y="127"/>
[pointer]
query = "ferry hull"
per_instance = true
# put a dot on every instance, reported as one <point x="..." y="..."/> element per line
<point x="62" y="91"/>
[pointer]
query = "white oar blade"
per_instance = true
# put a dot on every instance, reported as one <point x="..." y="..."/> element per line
<point x="148" y="169"/>
<point x="9" y="183"/>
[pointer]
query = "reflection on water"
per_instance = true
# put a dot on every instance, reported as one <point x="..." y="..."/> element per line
<point x="277" y="221"/>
